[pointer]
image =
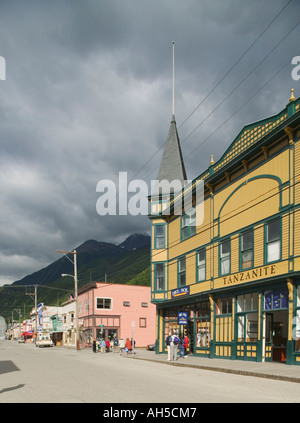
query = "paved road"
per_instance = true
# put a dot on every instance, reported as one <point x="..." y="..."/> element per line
<point x="58" y="375"/>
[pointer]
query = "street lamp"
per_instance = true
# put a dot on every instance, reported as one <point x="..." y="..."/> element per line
<point x="76" y="292"/>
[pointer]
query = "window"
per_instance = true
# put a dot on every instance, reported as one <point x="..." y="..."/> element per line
<point x="159" y="277"/>
<point x="225" y="257"/>
<point x="296" y="321"/>
<point x="87" y="305"/>
<point x="201" y="259"/>
<point x="188" y="224"/>
<point x="159" y="237"/>
<point x="126" y="303"/>
<point x="247" y="250"/>
<point x="181" y="272"/>
<point x="144" y="304"/>
<point x="103" y="303"/>
<point x="273" y="242"/>
<point x="224" y="306"/>
<point x="247" y="302"/>
<point x="142" y="322"/>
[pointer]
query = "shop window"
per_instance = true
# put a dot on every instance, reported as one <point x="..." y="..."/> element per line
<point x="181" y="272"/>
<point x="296" y="330"/>
<point x="225" y="257"/>
<point x="159" y="277"/>
<point x="201" y="262"/>
<point x="188" y="224"/>
<point x="273" y="240"/>
<point x="247" y="250"/>
<point x="103" y="303"/>
<point x="203" y="334"/>
<point x="224" y="305"/>
<point x="247" y="302"/>
<point x="159" y="236"/>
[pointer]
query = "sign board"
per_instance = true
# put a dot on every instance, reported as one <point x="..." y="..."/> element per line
<point x="182" y="318"/>
<point x="179" y="292"/>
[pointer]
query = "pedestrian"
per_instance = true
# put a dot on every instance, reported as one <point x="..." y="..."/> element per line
<point x="133" y="345"/>
<point x="128" y="346"/>
<point x="115" y="345"/>
<point x="102" y="345"/>
<point x="174" y="345"/>
<point x="181" y="347"/>
<point x="168" y="340"/>
<point x="122" y="346"/>
<point x="107" y="343"/>
<point x="94" y="344"/>
<point x="186" y="344"/>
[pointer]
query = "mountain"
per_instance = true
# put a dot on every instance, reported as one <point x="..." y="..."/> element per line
<point x="128" y="262"/>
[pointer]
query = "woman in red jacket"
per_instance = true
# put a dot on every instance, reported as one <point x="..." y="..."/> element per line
<point x="128" y="346"/>
<point x="186" y="344"/>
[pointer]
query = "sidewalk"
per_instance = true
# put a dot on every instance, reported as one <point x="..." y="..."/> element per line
<point x="273" y="370"/>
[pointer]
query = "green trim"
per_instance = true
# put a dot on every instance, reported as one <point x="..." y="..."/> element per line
<point x="205" y="263"/>
<point x="178" y="273"/>
<point x="267" y="221"/>
<point x="242" y="232"/>
<point x="225" y="239"/>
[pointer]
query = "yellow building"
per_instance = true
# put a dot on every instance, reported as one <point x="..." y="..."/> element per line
<point x="227" y="270"/>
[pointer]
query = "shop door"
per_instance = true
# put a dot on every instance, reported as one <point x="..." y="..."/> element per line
<point x="269" y="337"/>
<point x="191" y="336"/>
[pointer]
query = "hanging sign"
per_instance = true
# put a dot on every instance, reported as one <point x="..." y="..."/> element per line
<point x="182" y="318"/>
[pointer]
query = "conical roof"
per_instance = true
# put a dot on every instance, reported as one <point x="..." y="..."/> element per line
<point x="172" y="165"/>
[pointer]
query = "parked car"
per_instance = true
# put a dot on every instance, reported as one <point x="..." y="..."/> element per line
<point x="44" y="341"/>
<point x="151" y="347"/>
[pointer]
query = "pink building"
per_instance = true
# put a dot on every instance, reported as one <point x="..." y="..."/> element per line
<point x="107" y="310"/>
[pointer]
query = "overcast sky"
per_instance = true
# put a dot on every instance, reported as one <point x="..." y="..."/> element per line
<point x="88" y="94"/>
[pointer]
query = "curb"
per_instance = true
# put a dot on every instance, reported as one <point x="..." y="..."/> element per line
<point x="224" y="370"/>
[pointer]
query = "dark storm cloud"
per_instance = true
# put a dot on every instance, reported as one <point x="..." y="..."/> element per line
<point x="88" y="95"/>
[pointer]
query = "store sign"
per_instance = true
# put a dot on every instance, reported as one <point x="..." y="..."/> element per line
<point x="258" y="273"/>
<point x="180" y="292"/>
<point x="182" y="318"/>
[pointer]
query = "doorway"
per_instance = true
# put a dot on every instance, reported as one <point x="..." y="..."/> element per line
<point x="275" y="335"/>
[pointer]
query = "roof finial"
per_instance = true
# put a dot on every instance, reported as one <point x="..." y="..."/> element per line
<point x="173" y="89"/>
<point x="212" y="160"/>
<point x="292" y="95"/>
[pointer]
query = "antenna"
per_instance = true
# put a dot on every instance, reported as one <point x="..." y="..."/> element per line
<point x="173" y="91"/>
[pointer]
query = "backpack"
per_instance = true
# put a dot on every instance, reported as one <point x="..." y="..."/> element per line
<point x="176" y="340"/>
<point x="115" y="342"/>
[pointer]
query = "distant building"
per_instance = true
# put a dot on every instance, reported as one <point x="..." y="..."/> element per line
<point x="232" y="281"/>
<point x="108" y="310"/>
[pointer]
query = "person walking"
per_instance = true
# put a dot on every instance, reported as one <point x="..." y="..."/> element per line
<point x="186" y="345"/>
<point x="122" y="346"/>
<point x="102" y="346"/>
<point x="107" y="343"/>
<point x="168" y="340"/>
<point x="128" y="346"/>
<point x="94" y="345"/>
<point x="174" y="345"/>
<point x="115" y="345"/>
<point x="181" y="347"/>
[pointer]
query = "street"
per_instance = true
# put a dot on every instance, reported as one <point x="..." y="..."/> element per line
<point x="59" y="375"/>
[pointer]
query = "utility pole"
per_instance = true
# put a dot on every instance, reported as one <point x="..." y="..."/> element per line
<point x="77" y="340"/>
<point x="35" y="307"/>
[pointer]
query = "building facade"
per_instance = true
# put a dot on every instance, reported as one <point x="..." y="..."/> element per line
<point x="116" y="310"/>
<point x="227" y="269"/>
